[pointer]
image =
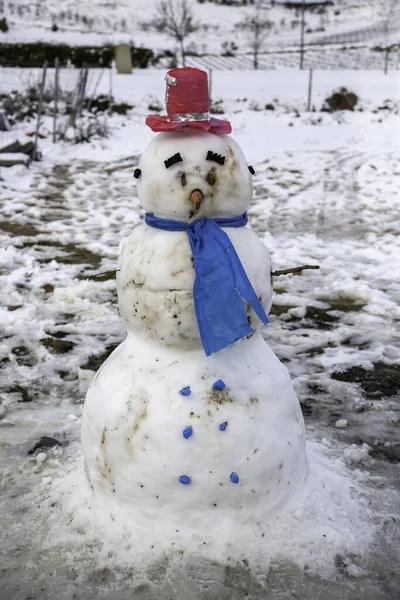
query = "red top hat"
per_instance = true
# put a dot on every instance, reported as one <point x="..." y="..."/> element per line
<point x="187" y="103"/>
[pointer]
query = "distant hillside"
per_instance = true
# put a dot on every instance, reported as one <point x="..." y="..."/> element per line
<point x="101" y="21"/>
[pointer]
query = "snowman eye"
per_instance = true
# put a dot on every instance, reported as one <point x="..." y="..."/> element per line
<point x="172" y="160"/>
<point x="137" y="173"/>
<point x="215" y="157"/>
<point x="252" y="171"/>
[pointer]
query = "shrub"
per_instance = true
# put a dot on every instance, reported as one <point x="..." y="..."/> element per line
<point x="35" y="54"/>
<point x="141" y="57"/>
<point x="87" y="128"/>
<point x="229" y="49"/>
<point x="155" y="105"/>
<point x="24" y="104"/>
<point x="101" y="104"/>
<point x="254" y="106"/>
<point x="54" y="27"/>
<point x="18" y="105"/>
<point x="341" y="99"/>
<point x="3" y="25"/>
<point x="92" y="56"/>
<point x="216" y="107"/>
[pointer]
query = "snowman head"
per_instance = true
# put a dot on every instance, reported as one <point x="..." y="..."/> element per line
<point x="191" y="174"/>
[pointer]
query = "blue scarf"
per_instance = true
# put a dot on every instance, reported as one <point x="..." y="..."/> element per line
<point x="221" y="284"/>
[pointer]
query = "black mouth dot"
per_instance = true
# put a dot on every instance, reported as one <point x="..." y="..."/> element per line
<point x="252" y="171"/>
<point x="183" y="179"/>
<point x="137" y="173"/>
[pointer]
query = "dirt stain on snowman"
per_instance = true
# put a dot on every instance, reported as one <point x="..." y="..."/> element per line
<point x="211" y="176"/>
<point x="143" y="414"/>
<point x="137" y="404"/>
<point x="217" y="397"/>
<point x="101" y="458"/>
<point x="233" y="168"/>
<point x="253" y="401"/>
<point x="149" y="315"/>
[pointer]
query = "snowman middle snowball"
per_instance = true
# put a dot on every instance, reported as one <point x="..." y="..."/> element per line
<point x="156" y="272"/>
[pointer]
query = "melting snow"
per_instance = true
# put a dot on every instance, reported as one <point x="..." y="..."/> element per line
<point x="324" y="194"/>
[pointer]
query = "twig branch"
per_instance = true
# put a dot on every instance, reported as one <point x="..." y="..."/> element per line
<point x="103" y="273"/>
<point x="294" y="270"/>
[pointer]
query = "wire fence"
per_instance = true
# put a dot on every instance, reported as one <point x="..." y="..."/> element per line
<point x="18" y="79"/>
<point x="63" y="92"/>
<point x="323" y="58"/>
<point x="59" y="93"/>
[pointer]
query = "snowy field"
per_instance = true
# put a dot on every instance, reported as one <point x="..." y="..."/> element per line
<point x="326" y="192"/>
<point x="104" y="21"/>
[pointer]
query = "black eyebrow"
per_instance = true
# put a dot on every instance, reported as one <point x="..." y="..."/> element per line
<point x="173" y="160"/>
<point x="215" y="157"/>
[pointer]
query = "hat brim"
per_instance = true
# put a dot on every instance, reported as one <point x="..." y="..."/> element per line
<point x="213" y="125"/>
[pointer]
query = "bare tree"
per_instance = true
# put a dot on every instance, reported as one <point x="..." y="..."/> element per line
<point x="256" y="27"/>
<point x="176" y="19"/>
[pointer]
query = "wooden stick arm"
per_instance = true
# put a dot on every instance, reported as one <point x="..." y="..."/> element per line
<point x="294" y="270"/>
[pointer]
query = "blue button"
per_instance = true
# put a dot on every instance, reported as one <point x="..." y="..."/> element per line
<point x="223" y="426"/>
<point x="187" y="432"/>
<point x="234" y="477"/>
<point x="219" y="385"/>
<point x="186" y="391"/>
<point x="185" y="479"/>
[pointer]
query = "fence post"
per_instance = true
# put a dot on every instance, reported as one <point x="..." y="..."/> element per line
<point x="310" y="82"/>
<point x="39" y="110"/>
<point x="110" y="91"/>
<point x="387" y="51"/>
<point x="302" y="27"/>
<point x="74" y="106"/>
<point x="210" y="86"/>
<point x="80" y="95"/>
<point x="95" y="89"/>
<point x="83" y="92"/>
<point x="75" y="103"/>
<point x="56" y="67"/>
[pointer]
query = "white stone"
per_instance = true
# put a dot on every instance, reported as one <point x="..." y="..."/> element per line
<point x="299" y="312"/>
<point x="355" y="454"/>
<point x="71" y="418"/>
<point x="341" y="423"/>
<point x="41" y="457"/>
<point x="326" y="442"/>
<point x="356" y="571"/>
<point x="47" y="480"/>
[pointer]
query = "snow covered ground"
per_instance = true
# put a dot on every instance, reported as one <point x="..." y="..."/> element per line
<point x="326" y="193"/>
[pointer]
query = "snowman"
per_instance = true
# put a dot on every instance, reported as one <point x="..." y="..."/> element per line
<point x="193" y="414"/>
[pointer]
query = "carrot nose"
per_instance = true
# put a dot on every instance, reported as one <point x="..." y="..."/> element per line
<point x="195" y="198"/>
